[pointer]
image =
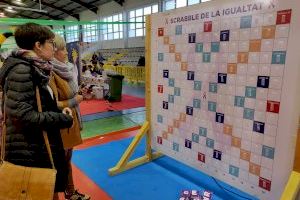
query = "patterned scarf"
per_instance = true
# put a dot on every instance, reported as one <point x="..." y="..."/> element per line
<point x="32" y="57"/>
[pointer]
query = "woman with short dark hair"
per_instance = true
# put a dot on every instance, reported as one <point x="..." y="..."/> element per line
<point x="23" y="71"/>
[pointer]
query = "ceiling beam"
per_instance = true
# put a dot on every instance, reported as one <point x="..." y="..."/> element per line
<point x="18" y="12"/>
<point x="92" y="8"/>
<point x="76" y="16"/>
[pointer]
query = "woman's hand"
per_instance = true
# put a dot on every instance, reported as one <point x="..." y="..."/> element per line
<point x="79" y="98"/>
<point x="67" y="111"/>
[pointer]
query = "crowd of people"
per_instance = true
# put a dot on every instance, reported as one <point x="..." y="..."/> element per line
<point x="40" y="64"/>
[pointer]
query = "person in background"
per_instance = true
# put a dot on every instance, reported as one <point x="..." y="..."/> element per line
<point x="64" y="83"/>
<point x="23" y="71"/>
<point x="141" y="61"/>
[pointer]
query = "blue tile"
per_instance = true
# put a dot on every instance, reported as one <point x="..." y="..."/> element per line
<point x="206" y="57"/>
<point x="246" y="21"/>
<point x="171" y="82"/>
<point x="210" y="143"/>
<point x="160" y="57"/>
<point x="239" y="101"/>
<point x="197" y="103"/>
<point x="234" y="171"/>
<point x="171" y="98"/>
<point x="175" y="147"/>
<point x="268" y="152"/>
<point x="250" y="92"/>
<point x="197" y="85"/>
<point x="215" y="46"/>
<point x="248" y="113"/>
<point x="278" y="57"/>
<point x="199" y="47"/>
<point x="195" y="137"/>
<point x="212" y="106"/>
<point x="213" y="87"/>
<point x="176" y="91"/>
<point x="203" y="131"/>
<point x="159" y="118"/>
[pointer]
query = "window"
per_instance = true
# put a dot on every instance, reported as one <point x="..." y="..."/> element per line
<point x="137" y="19"/>
<point x="111" y="31"/>
<point x="72" y="34"/>
<point x="90" y="32"/>
<point x="192" y="2"/>
<point x="60" y="32"/>
<point x="172" y="4"/>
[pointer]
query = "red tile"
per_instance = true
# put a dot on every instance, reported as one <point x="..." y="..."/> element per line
<point x="159" y="140"/>
<point x="265" y="183"/>
<point x="208" y="26"/>
<point x="160" y="32"/>
<point x="284" y="16"/>
<point x="201" y="157"/>
<point x="273" y="106"/>
<point x="160" y="89"/>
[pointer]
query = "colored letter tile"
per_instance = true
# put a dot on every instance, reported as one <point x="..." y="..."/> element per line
<point x="182" y="117"/>
<point x="159" y="119"/>
<point x="224" y="35"/>
<point x="208" y="26"/>
<point x="213" y="87"/>
<point x="177" y="57"/>
<point x="197" y="85"/>
<point x="217" y="155"/>
<point x="227" y="129"/>
<point x="192" y="37"/>
<point x="160" y="88"/>
<point x="245" y="155"/>
<point x="188" y="143"/>
<point x="178" y="29"/>
<point x="176" y="123"/>
<point x="166" y="40"/>
<point x="278" y="57"/>
<point x="231" y="68"/>
<point x="199" y="47"/>
<point x="243" y="57"/>
<point x="284" y="16"/>
<point x="206" y="57"/>
<point x="189" y="110"/>
<point x="171" y="82"/>
<point x="250" y="92"/>
<point x="239" y="101"/>
<point x="176" y="91"/>
<point x="212" y="106"/>
<point x="160" y="57"/>
<point x="248" y="113"/>
<point x="258" y="127"/>
<point x="175" y="147"/>
<point x="159" y="140"/>
<point x="166" y="73"/>
<point x="190" y="75"/>
<point x="268" y="152"/>
<point x="265" y="183"/>
<point x="246" y="21"/>
<point x="254" y="169"/>
<point x="220" y="117"/>
<point x="160" y="32"/>
<point x="201" y="157"/>
<point x="273" y="106"/>
<point x="172" y="48"/>
<point x="263" y="81"/>
<point x="215" y="46"/>
<point x="236" y="142"/>
<point x="210" y="143"/>
<point x="222" y="78"/>
<point x="171" y="98"/>
<point x="255" y="46"/>
<point x="203" y="131"/>
<point x="165" y="105"/>
<point x="234" y="171"/>
<point x="197" y="103"/>
<point x="184" y="66"/>
<point x="268" y="32"/>
<point x="195" y="137"/>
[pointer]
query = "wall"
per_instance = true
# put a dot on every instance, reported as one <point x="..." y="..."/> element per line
<point x="109" y="9"/>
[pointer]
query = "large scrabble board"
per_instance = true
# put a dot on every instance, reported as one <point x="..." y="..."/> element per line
<point x="225" y="90"/>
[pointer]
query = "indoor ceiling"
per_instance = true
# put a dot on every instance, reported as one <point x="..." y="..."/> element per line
<point x="56" y="9"/>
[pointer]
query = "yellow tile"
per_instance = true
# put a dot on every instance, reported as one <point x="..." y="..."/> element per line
<point x="236" y="142"/>
<point x="166" y="40"/>
<point x="268" y="32"/>
<point x="231" y="68"/>
<point x="177" y="57"/>
<point x="255" y="45"/>
<point x="242" y="57"/>
<point x="254" y="169"/>
<point x="172" y="48"/>
<point x="245" y="155"/>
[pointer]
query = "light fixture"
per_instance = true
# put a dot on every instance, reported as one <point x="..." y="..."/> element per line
<point x="10" y="9"/>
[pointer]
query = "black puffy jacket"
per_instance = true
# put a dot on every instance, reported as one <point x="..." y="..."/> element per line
<point x="24" y="138"/>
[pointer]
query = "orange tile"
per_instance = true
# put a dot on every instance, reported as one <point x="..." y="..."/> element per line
<point x="177" y="57"/>
<point x="245" y="155"/>
<point x="255" y="45"/>
<point x="166" y="40"/>
<point x="165" y="135"/>
<point x="268" y="32"/>
<point x="254" y="169"/>
<point x="182" y="117"/>
<point x="236" y="142"/>
<point x="170" y="129"/>
<point x="227" y="129"/>
<point x="176" y="123"/>
<point x="231" y="68"/>
<point x="184" y="66"/>
<point x="242" y="57"/>
<point x="172" y="48"/>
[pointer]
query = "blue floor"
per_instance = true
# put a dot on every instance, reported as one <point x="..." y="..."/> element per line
<point x="162" y="179"/>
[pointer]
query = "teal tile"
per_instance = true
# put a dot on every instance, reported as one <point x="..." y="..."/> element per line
<point x="197" y="103"/>
<point x="234" y="171"/>
<point x="176" y="91"/>
<point x="178" y="30"/>
<point x="171" y="98"/>
<point x="160" y="57"/>
<point x="210" y="143"/>
<point x="199" y="47"/>
<point x="171" y="82"/>
<point x="248" y="113"/>
<point x="246" y="21"/>
<point x="175" y="147"/>
<point x="250" y="92"/>
<point x="268" y="152"/>
<point x="215" y="46"/>
<point x="278" y="57"/>
<point x="213" y="87"/>
<point x="206" y="57"/>
<point x="203" y="131"/>
<point x="239" y="101"/>
<point x="195" y="137"/>
<point x="159" y="118"/>
<point x="212" y="106"/>
<point x="197" y="85"/>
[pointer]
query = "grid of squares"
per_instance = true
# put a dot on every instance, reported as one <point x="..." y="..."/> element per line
<point x="218" y="94"/>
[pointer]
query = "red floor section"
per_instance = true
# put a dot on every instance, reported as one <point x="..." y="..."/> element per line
<point x="95" y="106"/>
